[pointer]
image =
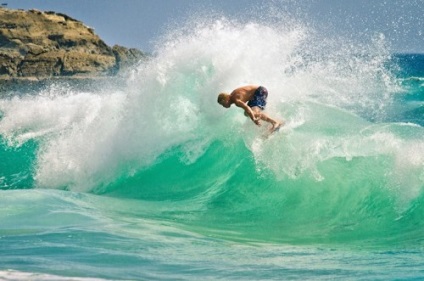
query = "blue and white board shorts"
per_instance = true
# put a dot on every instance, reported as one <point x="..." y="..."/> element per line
<point x="259" y="98"/>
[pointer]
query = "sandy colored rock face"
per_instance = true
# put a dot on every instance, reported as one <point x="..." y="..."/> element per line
<point x="48" y="44"/>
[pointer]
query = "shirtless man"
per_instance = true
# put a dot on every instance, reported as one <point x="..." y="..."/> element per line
<point x="253" y="100"/>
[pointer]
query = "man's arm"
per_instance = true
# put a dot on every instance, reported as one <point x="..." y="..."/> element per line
<point x="248" y="111"/>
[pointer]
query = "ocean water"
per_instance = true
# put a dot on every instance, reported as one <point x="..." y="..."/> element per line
<point x="154" y="180"/>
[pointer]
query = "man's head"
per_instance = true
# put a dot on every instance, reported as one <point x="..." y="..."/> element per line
<point x="224" y="100"/>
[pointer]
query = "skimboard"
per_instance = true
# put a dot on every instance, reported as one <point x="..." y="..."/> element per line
<point x="271" y="132"/>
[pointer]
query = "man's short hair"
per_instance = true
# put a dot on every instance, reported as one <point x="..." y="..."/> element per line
<point x="221" y="97"/>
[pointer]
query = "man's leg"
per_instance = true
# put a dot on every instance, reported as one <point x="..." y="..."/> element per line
<point x="275" y="124"/>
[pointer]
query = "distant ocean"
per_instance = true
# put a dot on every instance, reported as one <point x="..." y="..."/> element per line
<point x="156" y="181"/>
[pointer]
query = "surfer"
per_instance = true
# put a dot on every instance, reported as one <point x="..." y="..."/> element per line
<point x="252" y="99"/>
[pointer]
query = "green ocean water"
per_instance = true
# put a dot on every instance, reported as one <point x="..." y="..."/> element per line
<point x="156" y="181"/>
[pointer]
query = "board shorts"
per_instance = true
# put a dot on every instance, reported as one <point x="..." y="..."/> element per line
<point x="259" y="98"/>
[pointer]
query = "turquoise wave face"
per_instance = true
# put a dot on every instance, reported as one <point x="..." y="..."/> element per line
<point x="16" y="165"/>
<point x="334" y="179"/>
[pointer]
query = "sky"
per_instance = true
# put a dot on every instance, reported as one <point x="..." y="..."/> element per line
<point x="141" y="23"/>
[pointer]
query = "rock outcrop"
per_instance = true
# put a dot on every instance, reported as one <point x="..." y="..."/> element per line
<point x="47" y="44"/>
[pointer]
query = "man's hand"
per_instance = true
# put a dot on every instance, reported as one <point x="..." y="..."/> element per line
<point x="257" y="121"/>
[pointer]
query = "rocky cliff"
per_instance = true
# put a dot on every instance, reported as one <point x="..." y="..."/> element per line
<point x="38" y="45"/>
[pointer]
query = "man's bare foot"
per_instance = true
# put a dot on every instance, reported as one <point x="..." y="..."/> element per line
<point x="276" y="126"/>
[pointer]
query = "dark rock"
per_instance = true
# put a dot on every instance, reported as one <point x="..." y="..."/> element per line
<point x="125" y="58"/>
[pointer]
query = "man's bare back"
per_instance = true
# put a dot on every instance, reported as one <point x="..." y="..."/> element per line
<point x="252" y="99"/>
<point x="244" y="93"/>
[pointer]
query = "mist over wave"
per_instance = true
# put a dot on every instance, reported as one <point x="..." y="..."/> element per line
<point x="164" y="137"/>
